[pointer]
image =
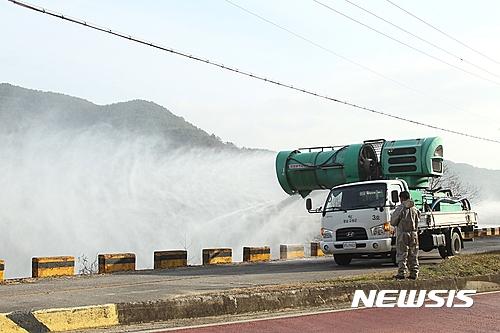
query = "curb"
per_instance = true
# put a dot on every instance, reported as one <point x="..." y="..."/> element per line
<point x="59" y="320"/>
<point x="284" y="297"/>
<point x="237" y="301"/>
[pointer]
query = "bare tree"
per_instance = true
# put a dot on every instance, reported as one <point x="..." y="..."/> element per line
<point x="450" y="180"/>
<point x="185" y="246"/>
<point x="86" y="267"/>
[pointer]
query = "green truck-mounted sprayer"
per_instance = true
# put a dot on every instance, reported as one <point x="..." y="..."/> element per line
<point x="364" y="181"/>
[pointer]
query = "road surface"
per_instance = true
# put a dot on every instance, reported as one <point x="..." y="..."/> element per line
<point x="73" y="291"/>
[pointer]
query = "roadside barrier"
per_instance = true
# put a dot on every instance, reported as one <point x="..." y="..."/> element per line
<point x="217" y="256"/>
<point x="52" y="266"/>
<point x="484" y="232"/>
<point x="109" y="263"/>
<point x="257" y="253"/>
<point x="316" y="250"/>
<point x="168" y="259"/>
<point x="291" y="251"/>
<point x="491" y="231"/>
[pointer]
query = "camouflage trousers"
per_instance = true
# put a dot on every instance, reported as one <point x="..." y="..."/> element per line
<point x="407" y="252"/>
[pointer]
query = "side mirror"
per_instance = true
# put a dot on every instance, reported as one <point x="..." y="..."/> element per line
<point x="309" y="204"/>
<point x="394" y="196"/>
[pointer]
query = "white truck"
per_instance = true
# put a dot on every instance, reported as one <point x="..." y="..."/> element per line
<point x="364" y="181"/>
<point x="355" y="220"/>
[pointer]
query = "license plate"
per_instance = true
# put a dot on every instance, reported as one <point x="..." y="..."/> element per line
<point x="349" y="245"/>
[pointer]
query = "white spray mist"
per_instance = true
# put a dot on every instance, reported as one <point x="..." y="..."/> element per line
<point x="100" y="190"/>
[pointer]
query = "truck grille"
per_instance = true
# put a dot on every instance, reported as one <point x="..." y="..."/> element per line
<point x="350" y="234"/>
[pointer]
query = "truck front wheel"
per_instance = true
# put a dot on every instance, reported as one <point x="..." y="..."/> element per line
<point x="342" y="259"/>
<point x="393" y="258"/>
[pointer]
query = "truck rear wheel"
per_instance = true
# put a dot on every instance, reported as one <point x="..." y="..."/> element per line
<point x="342" y="259"/>
<point x="455" y="244"/>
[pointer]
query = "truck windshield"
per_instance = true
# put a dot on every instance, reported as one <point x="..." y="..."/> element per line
<point x="356" y="197"/>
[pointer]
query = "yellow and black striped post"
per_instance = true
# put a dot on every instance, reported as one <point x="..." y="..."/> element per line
<point x="316" y="250"/>
<point x="291" y="251"/>
<point x="468" y="235"/>
<point x="472" y="234"/>
<point x="2" y="269"/>
<point x="109" y="263"/>
<point x="52" y="266"/>
<point x="257" y="253"/>
<point x="167" y="259"/>
<point x="217" y="256"/>
<point x="486" y="231"/>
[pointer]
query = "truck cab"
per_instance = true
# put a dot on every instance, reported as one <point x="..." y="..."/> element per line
<point x="356" y="218"/>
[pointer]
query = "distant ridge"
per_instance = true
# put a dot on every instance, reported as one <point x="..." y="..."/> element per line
<point x="19" y="106"/>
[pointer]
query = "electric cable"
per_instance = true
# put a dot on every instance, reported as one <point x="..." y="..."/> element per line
<point x="357" y="64"/>
<point x="435" y="12"/>
<point x="233" y="69"/>
<point x="405" y="44"/>
<point x="423" y="40"/>
<point x="456" y="40"/>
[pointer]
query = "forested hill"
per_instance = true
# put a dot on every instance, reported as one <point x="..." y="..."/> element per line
<point x="19" y="106"/>
<point x="23" y="110"/>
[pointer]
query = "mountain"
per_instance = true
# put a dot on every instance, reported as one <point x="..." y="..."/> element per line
<point x="485" y="180"/>
<point x="19" y="106"/>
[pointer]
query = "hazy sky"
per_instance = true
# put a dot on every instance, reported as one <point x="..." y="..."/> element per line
<point x="314" y="48"/>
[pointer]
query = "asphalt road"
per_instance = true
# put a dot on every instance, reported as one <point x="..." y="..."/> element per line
<point x="82" y="290"/>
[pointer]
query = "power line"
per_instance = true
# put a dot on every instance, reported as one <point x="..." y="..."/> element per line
<point x="233" y="69"/>
<point x="443" y="17"/>
<point x="355" y="63"/>
<point x="456" y="40"/>
<point x="407" y="45"/>
<point x="423" y="40"/>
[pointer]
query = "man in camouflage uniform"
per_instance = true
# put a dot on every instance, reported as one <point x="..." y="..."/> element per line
<point x="405" y="218"/>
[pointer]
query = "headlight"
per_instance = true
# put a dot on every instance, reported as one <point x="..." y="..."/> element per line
<point x="381" y="229"/>
<point x="326" y="233"/>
